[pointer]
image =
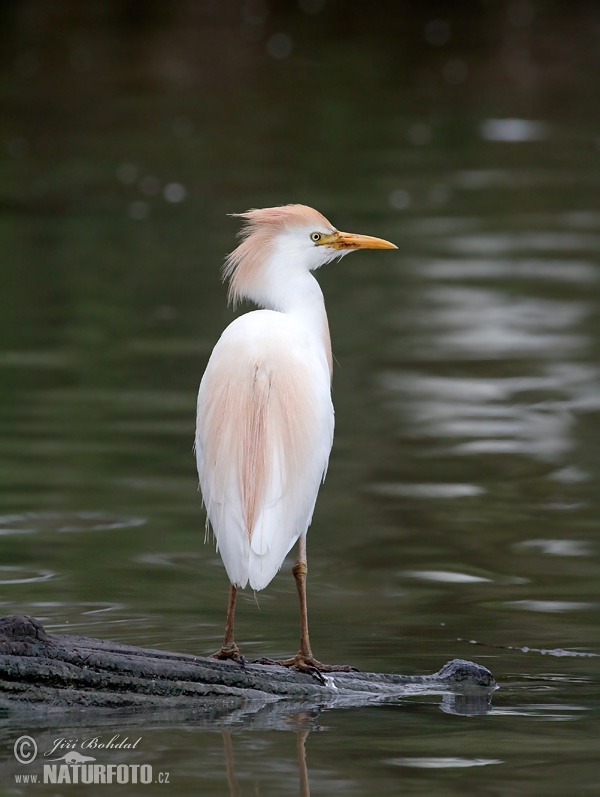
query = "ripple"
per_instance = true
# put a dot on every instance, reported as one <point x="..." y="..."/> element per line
<point x="95" y="606"/>
<point x="184" y="347"/>
<point x="551" y="606"/>
<point x="64" y="522"/>
<point x="443" y="763"/>
<point x="513" y="130"/>
<point x="83" y="626"/>
<point x="483" y="244"/>
<point x="483" y="179"/>
<point x="563" y="506"/>
<point x="557" y="652"/>
<point x="570" y="271"/>
<point x="23" y="575"/>
<point x="101" y="607"/>
<point x="169" y="559"/>
<point x="541" y="449"/>
<point x="558" y="547"/>
<point x="581" y="219"/>
<point x="571" y="474"/>
<point x="36" y="359"/>
<point x="472" y="321"/>
<point x="427" y="490"/>
<point x="446" y="576"/>
<point x="495" y="415"/>
<point x="547" y="712"/>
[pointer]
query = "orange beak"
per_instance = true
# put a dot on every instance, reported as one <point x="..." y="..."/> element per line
<point x="350" y="240"/>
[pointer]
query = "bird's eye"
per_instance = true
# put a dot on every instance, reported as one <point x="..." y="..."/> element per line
<point x="315" y="237"/>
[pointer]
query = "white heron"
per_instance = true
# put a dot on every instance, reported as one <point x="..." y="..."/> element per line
<point x="264" y="427"/>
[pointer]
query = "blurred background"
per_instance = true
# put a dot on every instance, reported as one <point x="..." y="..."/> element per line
<point x="461" y="503"/>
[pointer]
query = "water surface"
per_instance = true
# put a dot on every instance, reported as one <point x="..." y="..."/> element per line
<point x="460" y="513"/>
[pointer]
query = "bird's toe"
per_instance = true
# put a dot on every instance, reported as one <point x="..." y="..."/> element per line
<point x="229" y="653"/>
<point x="308" y="664"/>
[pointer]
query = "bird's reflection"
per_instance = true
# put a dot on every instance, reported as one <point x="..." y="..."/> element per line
<point x="234" y="788"/>
<point x="301" y="738"/>
<point x="303" y="722"/>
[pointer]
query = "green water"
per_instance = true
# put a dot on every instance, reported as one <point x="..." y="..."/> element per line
<point x="460" y="513"/>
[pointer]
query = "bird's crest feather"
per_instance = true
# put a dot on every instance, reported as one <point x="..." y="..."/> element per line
<point x="262" y="225"/>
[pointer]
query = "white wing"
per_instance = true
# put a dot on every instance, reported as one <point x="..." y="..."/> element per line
<point x="263" y="437"/>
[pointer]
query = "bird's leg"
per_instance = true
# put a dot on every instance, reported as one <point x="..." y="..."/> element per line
<point x="229" y="650"/>
<point x="304" y="659"/>
<point x="300" y="571"/>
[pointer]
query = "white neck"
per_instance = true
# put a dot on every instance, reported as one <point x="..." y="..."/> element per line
<point x="287" y="286"/>
<point x="285" y="283"/>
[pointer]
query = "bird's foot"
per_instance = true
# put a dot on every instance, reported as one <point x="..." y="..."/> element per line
<point x="308" y="664"/>
<point x="230" y="652"/>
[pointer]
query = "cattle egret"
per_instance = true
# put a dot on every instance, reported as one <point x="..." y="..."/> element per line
<point x="264" y="426"/>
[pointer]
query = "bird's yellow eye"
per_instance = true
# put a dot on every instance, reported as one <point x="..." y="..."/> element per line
<point x="315" y="237"/>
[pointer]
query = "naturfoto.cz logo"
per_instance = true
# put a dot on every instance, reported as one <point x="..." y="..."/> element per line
<point x="64" y="763"/>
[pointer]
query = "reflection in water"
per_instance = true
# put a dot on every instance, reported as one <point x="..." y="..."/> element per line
<point x="559" y="547"/>
<point x="551" y="712"/>
<point x="513" y="130"/>
<point x="234" y="788"/>
<point x="470" y="705"/>
<point x="467" y="705"/>
<point x="496" y="414"/>
<point x="561" y="271"/>
<point x="475" y="322"/>
<point x="551" y="606"/>
<point x="301" y="738"/>
<point x="446" y="577"/>
<point x="444" y="763"/>
<point x="427" y="490"/>
<point x="527" y="403"/>
<point x="232" y="781"/>
<point x="491" y="415"/>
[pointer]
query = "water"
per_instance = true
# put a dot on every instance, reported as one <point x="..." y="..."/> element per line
<point x="459" y="515"/>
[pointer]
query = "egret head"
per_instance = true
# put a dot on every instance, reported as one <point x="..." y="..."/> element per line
<point x="287" y="238"/>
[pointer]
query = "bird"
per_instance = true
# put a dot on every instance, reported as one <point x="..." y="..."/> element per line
<point x="265" y="417"/>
